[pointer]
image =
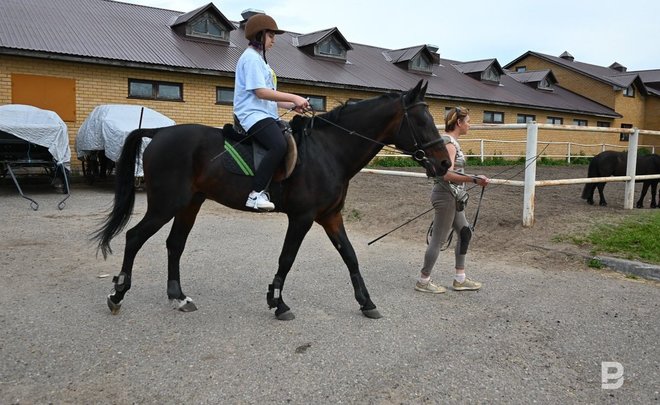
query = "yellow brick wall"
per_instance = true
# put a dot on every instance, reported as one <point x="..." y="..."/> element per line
<point x="573" y="81"/>
<point x="97" y="84"/>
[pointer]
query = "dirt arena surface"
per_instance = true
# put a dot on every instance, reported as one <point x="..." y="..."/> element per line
<point x="537" y="332"/>
<point x="376" y="204"/>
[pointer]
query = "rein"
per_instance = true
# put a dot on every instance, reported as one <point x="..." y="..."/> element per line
<point x="481" y="196"/>
<point x="418" y="155"/>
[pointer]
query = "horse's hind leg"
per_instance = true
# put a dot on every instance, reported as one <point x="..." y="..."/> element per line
<point x="295" y="233"/>
<point x="645" y="189"/>
<point x="600" y="187"/>
<point x="135" y="238"/>
<point x="176" y="242"/>
<point x="654" y="187"/>
<point x="334" y="228"/>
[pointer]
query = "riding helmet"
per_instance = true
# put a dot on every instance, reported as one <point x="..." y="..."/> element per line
<point x="258" y="23"/>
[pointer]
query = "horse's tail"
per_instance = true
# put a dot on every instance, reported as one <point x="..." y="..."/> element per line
<point x="124" y="191"/>
<point x="592" y="171"/>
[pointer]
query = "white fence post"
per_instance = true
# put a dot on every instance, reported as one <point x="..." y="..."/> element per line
<point x="631" y="169"/>
<point x="530" y="174"/>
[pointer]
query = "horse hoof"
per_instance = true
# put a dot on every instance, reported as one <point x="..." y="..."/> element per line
<point x="114" y="308"/>
<point x="603" y="204"/>
<point x="285" y="316"/>
<point x="372" y="313"/>
<point x="185" y="305"/>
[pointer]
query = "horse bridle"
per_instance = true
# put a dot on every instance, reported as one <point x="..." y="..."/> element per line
<point x="419" y="155"/>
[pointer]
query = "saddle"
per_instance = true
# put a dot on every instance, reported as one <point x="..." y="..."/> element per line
<point x="244" y="154"/>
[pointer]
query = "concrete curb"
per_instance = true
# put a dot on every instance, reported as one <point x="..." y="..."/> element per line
<point x="645" y="270"/>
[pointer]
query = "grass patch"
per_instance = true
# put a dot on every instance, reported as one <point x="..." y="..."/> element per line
<point x="635" y="238"/>
<point x="352" y="216"/>
<point x="393" y="162"/>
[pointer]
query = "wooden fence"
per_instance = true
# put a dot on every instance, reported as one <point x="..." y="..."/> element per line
<point x="531" y="154"/>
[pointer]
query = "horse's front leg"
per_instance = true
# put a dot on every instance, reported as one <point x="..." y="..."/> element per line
<point x="295" y="233"/>
<point x="334" y="228"/>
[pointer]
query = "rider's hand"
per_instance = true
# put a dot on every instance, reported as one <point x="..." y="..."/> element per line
<point x="300" y="104"/>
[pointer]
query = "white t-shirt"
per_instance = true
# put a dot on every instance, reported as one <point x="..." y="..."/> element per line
<point x="253" y="73"/>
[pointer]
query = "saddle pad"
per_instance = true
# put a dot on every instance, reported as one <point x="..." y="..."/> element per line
<point x="238" y="158"/>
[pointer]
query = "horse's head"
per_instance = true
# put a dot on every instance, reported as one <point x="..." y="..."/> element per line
<point x="419" y="135"/>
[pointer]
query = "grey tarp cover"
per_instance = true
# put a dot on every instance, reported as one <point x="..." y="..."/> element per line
<point x="41" y="127"/>
<point x="107" y="127"/>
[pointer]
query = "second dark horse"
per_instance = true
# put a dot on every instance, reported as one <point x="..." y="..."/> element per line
<point x="180" y="173"/>
<point x="612" y="163"/>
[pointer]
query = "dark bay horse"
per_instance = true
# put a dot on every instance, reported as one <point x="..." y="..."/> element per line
<point x="180" y="173"/>
<point x="612" y="163"/>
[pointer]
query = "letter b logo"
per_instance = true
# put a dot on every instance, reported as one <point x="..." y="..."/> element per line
<point x="607" y="376"/>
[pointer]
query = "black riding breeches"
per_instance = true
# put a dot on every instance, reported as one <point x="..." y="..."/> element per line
<point x="270" y="136"/>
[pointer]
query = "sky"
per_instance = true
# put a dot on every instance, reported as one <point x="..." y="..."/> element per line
<point x="598" y="32"/>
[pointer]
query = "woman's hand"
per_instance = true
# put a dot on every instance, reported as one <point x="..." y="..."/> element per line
<point x="481" y="180"/>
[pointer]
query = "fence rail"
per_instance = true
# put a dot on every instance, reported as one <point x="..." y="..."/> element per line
<point x="531" y="147"/>
<point x="572" y="150"/>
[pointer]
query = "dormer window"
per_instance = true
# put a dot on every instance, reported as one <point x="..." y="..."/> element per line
<point x="204" y="23"/>
<point x="331" y="47"/>
<point x="420" y="63"/>
<point x="490" y="75"/>
<point x="629" y="91"/>
<point x="545" y="84"/>
<point x="207" y="27"/>
<point x="487" y="71"/>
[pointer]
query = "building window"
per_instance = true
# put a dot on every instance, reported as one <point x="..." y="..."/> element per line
<point x="224" y="95"/>
<point x="602" y="124"/>
<point x="420" y="63"/>
<point x="154" y="90"/>
<point x="207" y="27"/>
<point x="493" y="117"/>
<point x="580" y="123"/>
<point x="555" y="120"/>
<point x="625" y="136"/>
<point x="317" y="102"/>
<point x="525" y="118"/>
<point x="629" y="91"/>
<point x="351" y="101"/>
<point x="545" y="85"/>
<point x="520" y="69"/>
<point x="331" y="47"/>
<point x="490" y="75"/>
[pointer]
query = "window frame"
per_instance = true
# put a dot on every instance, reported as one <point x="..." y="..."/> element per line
<point x="218" y="101"/>
<point x="623" y="136"/>
<point x="525" y="118"/>
<point x="552" y="120"/>
<point x="224" y="33"/>
<point x="341" y="55"/>
<point x="603" y="124"/>
<point x="629" y="91"/>
<point x="579" y="122"/>
<point x="155" y="89"/>
<point x="489" y="117"/>
<point x="322" y="99"/>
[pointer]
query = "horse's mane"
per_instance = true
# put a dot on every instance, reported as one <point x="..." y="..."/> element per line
<point x="343" y="109"/>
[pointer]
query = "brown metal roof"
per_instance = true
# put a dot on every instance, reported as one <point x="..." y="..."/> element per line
<point x="104" y="31"/>
<point x="610" y="75"/>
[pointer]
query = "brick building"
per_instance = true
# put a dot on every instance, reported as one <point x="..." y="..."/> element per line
<point x="71" y="55"/>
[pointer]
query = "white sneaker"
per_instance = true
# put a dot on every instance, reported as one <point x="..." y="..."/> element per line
<point x="259" y="201"/>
